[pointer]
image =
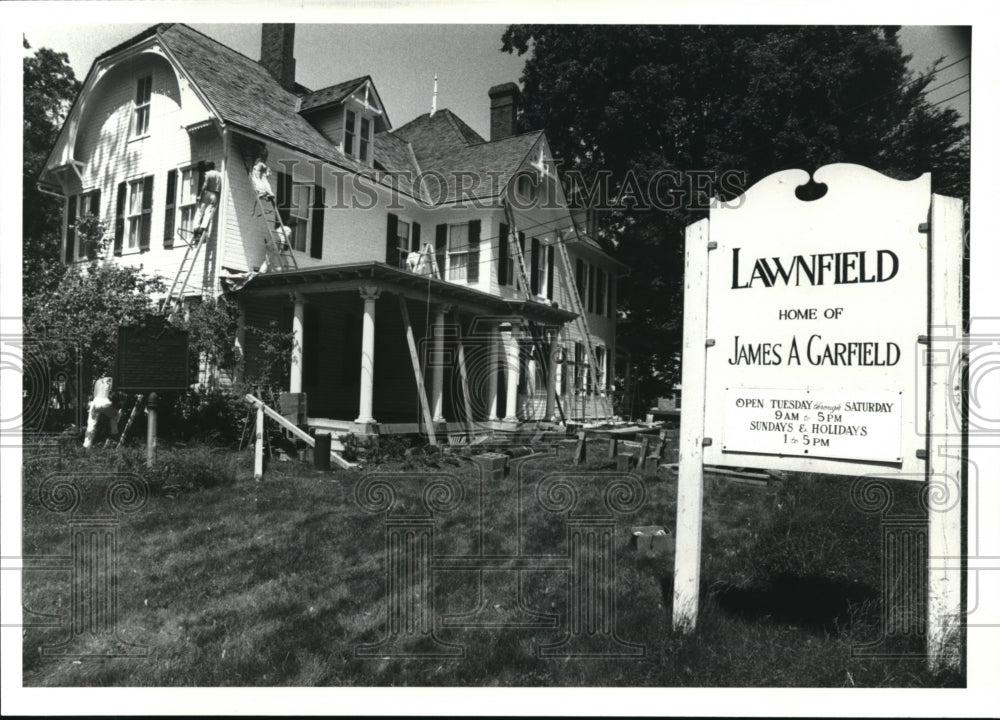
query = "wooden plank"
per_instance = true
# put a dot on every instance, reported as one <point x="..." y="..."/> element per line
<point x="258" y="449"/>
<point x="690" y="480"/>
<point x="580" y="454"/>
<point x="944" y="556"/>
<point x="296" y="431"/>
<point x="463" y="372"/>
<point x="417" y="373"/>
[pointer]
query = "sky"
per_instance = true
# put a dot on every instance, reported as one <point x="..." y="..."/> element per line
<point x="403" y="59"/>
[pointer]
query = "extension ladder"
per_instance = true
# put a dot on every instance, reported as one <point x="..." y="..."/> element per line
<point x="274" y="246"/>
<point x="184" y="270"/>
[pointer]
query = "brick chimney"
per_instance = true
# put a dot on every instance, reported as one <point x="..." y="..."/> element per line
<point x="504" y="100"/>
<point x="277" y="46"/>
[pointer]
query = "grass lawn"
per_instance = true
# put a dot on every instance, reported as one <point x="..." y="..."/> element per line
<point x="232" y="582"/>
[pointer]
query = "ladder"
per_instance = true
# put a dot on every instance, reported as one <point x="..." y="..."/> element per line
<point x="581" y="317"/>
<point x="188" y="261"/>
<point x="526" y="288"/>
<point x="274" y="246"/>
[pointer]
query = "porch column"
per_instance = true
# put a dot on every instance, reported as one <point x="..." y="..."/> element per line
<point x="437" y="363"/>
<point x="510" y="343"/>
<point x="494" y="370"/>
<point x="298" y="336"/>
<point x="550" y="378"/>
<point x="369" y="293"/>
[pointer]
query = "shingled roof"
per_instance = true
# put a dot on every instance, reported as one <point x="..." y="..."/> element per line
<point x="332" y="94"/>
<point x="244" y="94"/>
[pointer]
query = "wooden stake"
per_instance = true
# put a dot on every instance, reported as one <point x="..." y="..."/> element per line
<point x="418" y="375"/>
<point x="258" y="450"/>
<point x="463" y="373"/>
<point x="151" y="406"/>
<point x="612" y="448"/>
<point x="687" y="557"/>
<point x="580" y="455"/>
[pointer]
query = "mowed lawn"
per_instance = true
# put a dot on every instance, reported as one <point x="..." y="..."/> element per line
<point x="233" y="582"/>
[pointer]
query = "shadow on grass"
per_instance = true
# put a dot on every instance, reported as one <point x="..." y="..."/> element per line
<point x="816" y="604"/>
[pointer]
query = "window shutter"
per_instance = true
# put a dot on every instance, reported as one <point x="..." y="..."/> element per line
<point x="503" y="253"/>
<point x="319" y="210"/>
<point x="120" y="218"/>
<point x="440" y="246"/>
<point x="472" y="272"/>
<point x="611" y="296"/>
<point x="549" y="269"/>
<point x="415" y="237"/>
<point x="520" y="242"/>
<point x="284" y="196"/>
<point x="535" y="253"/>
<point x="170" y="211"/>
<point x="591" y="286"/>
<point x="391" y="228"/>
<point x="95" y="203"/>
<point x="70" y="229"/>
<point x="147" y="212"/>
<point x="581" y="279"/>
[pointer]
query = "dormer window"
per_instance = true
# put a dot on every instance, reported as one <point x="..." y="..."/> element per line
<point x="358" y="129"/>
<point x="349" y="123"/>
<point x="366" y="138"/>
<point x="140" y="115"/>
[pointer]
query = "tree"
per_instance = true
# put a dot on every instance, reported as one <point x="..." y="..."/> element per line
<point x="695" y="101"/>
<point x="49" y="89"/>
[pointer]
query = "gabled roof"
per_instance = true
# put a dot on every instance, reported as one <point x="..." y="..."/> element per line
<point x="437" y="134"/>
<point x="494" y="163"/>
<point x="332" y="94"/>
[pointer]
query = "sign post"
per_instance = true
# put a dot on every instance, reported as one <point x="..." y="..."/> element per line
<point x="807" y="331"/>
<point x="151" y="407"/>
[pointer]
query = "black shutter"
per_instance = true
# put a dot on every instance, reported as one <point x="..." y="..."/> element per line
<point x="550" y="271"/>
<point x="581" y="279"/>
<point x="472" y="273"/>
<point x="440" y="246"/>
<point x="95" y="203"/>
<point x="415" y="237"/>
<point x="284" y="196"/>
<point x="391" y="229"/>
<point x="120" y="218"/>
<point x="591" y="287"/>
<point x="170" y="210"/>
<point x="70" y="229"/>
<point x="534" y="266"/>
<point x="147" y="212"/>
<point x="319" y="210"/>
<point x="503" y="252"/>
<point x="519" y="262"/>
<point x="611" y="296"/>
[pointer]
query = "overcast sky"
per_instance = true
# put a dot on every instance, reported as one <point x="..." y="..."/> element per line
<point x="403" y="59"/>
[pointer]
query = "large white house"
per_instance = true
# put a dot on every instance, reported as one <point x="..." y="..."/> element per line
<point x="375" y="335"/>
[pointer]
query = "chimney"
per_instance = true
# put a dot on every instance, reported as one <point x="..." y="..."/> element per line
<point x="277" y="46"/>
<point x="504" y="101"/>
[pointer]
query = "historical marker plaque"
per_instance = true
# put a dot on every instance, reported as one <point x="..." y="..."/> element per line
<point x="152" y="356"/>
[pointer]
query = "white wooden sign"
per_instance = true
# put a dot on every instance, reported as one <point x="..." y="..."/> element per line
<point x="807" y="328"/>
<point x="822" y="296"/>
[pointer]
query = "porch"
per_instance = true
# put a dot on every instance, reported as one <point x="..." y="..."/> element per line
<point x="378" y="349"/>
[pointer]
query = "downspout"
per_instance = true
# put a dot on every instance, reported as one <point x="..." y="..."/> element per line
<point x="222" y="227"/>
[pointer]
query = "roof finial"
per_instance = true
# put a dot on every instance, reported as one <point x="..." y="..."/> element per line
<point x="434" y="100"/>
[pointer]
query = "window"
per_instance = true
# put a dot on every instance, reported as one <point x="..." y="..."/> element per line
<point x="89" y="205"/>
<point x="581" y="278"/>
<point x="458" y="253"/>
<point x="137" y="215"/>
<point x="140" y="115"/>
<point x="187" y="199"/>
<point x="349" y="121"/>
<point x="299" y="217"/>
<point x="366" y="138"/>
<point x="542" y="269"/>
<point x="601" y="355"/>
<point x="402" y="242"/>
